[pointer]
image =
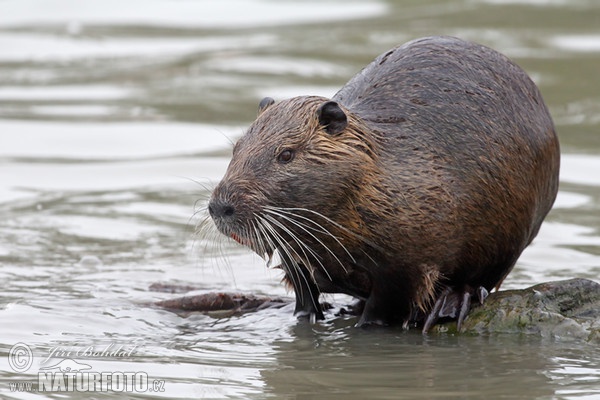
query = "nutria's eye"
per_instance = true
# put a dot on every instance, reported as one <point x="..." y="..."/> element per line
<point x="286" y="156"/>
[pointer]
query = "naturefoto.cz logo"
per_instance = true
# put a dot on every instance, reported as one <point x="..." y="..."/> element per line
<point x="62" y="370"/>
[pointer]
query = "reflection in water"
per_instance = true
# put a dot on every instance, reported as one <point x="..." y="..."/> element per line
<point x="343" y="362"/>
<point x="113" y="122"/>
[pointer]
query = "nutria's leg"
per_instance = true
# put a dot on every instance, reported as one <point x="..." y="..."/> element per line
<point x="306" y="291"/>
<point x="371" y="314"/>
<point x="384" y="305"/>
<point x="307" y="301"/>
<point x="454" y="304"/>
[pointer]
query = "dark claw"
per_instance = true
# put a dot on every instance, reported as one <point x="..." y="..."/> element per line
<point x="482" y="294"/>
<point x="453" y="304"/>
<point x="311" y="315"/>
<point x="415" y="315"/>
<point x="434" y="315"/>
<point x="464" y="309"/>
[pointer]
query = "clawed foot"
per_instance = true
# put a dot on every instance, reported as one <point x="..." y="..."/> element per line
<point x="454" y="304"/>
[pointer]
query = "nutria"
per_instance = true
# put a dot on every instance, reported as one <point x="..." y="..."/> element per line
<point x="414" y="189"/>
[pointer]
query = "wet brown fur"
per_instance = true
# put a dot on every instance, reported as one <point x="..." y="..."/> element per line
<point x="443" y="175"/>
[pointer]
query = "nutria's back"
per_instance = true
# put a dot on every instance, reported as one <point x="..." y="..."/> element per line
<point x="417" y="186"/>
<point x="466" y="131"/>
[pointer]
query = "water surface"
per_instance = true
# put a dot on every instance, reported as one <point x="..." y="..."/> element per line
<point x="116" y="120"/>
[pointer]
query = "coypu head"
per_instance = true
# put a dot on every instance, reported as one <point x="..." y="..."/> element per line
<point x="293" y="180"/>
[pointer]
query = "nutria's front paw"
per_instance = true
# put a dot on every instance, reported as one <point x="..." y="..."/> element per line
<point x="312" y="312"/>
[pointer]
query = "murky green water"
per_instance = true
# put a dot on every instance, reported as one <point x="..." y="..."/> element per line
<point x="115" y="117"/>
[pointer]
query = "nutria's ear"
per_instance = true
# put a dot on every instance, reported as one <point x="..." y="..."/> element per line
<point x="264" y="104"/>
<point x="332" y="117"/>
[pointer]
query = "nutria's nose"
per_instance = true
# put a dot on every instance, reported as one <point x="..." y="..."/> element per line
<point x="220" y="209"/>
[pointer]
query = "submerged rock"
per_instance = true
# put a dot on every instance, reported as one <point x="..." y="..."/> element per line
<point x="221" y="304"/>
<point x="562" y="309"/>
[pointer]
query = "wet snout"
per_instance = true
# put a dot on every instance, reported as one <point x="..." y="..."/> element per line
<point x="220" y="209"/>
<point x="230" y="207"/>
<point x="223" y="213"/>
<point x="221" y="206"/>
<point x="231" y="210"/>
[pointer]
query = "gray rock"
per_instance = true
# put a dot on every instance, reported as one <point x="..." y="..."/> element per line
<point x="567" y="309"/>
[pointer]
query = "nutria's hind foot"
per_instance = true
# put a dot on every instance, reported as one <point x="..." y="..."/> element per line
<point x="383" y="307"/>
<point x="454" y="304"/>
<point x="366" y="321"/>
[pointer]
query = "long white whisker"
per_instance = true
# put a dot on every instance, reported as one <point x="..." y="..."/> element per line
<point x="301" y="244"/>
<point x="255" y="238"/>
<point x="265" y="237"/>
<point x="290" y="212"/>
<point x="295" y="269"/>
<point x="286" y="249"/>
<point x="300" y="225"/>
<point x="209" y="241"/>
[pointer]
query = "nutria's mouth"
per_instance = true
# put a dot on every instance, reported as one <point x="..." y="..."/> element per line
<point x="243" y="241"/>
<point x="237" y="239"/>
<point x="268" y="252"/>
